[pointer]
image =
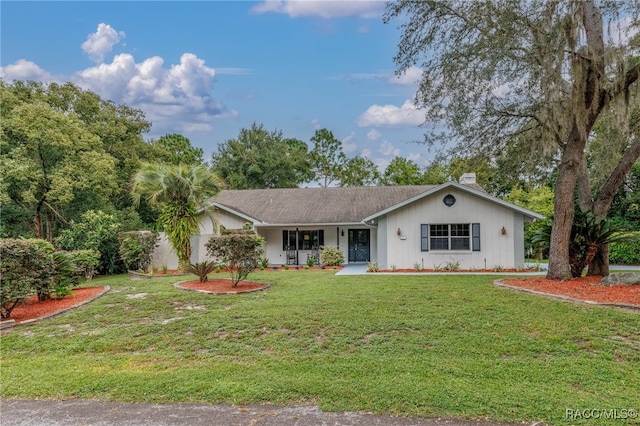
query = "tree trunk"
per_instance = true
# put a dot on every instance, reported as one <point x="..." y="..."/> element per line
<point x="599" y="266"/>
<point x="559" y="263"/>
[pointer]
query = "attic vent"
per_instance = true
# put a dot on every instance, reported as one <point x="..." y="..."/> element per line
<point x="468" y="178"/>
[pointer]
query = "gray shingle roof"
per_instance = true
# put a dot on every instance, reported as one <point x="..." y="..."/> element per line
<point x="316" y="205"/>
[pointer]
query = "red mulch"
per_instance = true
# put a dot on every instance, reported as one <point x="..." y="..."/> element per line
<point x="221" y="286"/>
<point x="584" y="288"/>
<point x="33" y="309"/>
<point x="447" y="270"/>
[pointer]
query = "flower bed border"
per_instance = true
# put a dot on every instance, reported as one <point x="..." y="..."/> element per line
<point x="265" y="286"/>
<point x="500" y="283"/>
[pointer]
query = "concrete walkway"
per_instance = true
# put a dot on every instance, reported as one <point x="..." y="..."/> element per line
<point x="99" y="413"/>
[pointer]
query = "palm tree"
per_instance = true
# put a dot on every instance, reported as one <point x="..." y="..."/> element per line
<point x="180" y="192"/>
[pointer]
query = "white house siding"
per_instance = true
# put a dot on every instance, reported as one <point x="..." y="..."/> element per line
<point x="382" y="237"/>
<point x="496" y="249"/>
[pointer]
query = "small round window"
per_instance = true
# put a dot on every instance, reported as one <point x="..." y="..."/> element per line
<point x="449" y="200"/>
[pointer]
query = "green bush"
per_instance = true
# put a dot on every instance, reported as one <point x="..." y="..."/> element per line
<point x="136" y="249"/>
<point x="626" y="252"/>
<point x="240" y="249"/>
<point x="332" y="256"/>
<point x="66" y="273"/>
<point x="26" y="266"/>
<point x="95" y="231"/>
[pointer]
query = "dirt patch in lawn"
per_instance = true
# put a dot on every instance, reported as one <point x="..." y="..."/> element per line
<point x="588" y="289"/>
<point x="33" y="309"/>
<point x="221" y="286"/>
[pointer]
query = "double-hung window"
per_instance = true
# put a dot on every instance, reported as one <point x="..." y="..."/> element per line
<point x="450" y="236"/>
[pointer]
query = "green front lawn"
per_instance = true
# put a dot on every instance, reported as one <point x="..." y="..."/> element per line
<point x="404" y="345"/>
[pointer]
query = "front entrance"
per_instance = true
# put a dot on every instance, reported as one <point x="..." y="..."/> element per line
<point x="359" y="247"/>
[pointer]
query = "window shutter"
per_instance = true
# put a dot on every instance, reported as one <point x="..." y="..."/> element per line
<point x="475" y="236"/>
<point x="285" y="240"/>
<point x="321" y="237"/>
<point x="424" y="237"/>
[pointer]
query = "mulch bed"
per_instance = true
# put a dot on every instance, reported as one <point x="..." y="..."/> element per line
<point x="221" y="286"/>
<point x="584" y="288"/>
<point x="33" y="309"/>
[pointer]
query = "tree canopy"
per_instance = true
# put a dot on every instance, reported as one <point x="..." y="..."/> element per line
<point x="258" y="158"/>
<point x="543" y="72"/>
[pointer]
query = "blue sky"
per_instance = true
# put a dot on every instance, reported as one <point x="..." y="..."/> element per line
<point x="208" y="69"/>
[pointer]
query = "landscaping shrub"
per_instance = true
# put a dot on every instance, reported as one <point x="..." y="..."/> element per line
<point x="26" y="266"/>
<point x="65" y="276"/>
<point x="95" y="231"/>
<point x="136" y="249"/>
<point x="202" y="269"/>
<point x="86" y="262"/>
<point x="332" y="256"/>
<point x="240" y="249"/>
<point x="627" y="251"/>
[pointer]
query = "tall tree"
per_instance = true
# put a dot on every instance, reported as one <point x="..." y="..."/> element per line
<point x="259" y="159"/>
<point x="176" y="149"/>
<point x="401" y="171"/>
<point x="49" y="159"/>
<point x="118" y="128"/>
<point x="540" y="70"/>
<point x="359" y="171"/>
<point x="327" y="158"/>
<point x="181" y="192"/>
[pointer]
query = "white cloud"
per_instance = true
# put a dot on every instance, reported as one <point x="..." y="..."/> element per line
<point x="366" y="153"/>
<point x="322" y="8"/>
<point x="348" y="143"/>
<point x="178" y="97"/>
<point x="417" y="158"/>
<point x="24" y="70"/>
<point x="411" y="77"/>
<point x="388" y="149"/>
<point x="391" y="115"/>
<point x="101" y="42"/>
<point x="373" y="134"/>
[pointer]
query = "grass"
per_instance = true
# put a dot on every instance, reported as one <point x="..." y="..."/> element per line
<point x="426" y="346"/>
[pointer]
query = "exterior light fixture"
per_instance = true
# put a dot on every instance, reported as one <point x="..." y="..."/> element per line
<point x="503" y="231"/>
<point x="399" y="232"/>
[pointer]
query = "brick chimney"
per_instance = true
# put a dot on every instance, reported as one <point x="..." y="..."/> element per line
<point x="468" y="178"/>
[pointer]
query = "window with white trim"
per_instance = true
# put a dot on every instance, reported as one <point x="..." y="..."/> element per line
<point x="450" y="236"/>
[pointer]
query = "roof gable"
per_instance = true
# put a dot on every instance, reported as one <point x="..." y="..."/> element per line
<point x="471" y="189"/>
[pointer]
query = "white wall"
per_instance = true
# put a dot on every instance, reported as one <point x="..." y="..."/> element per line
<point x="496" y="249"/>
<point x="164" y="255"/>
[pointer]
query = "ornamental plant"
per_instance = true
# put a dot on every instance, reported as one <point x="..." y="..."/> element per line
<point x="332" y="256"/>
<point x="202" y="269"/>
<point x="136" y="249"/>
<point x="240" y="249"/>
